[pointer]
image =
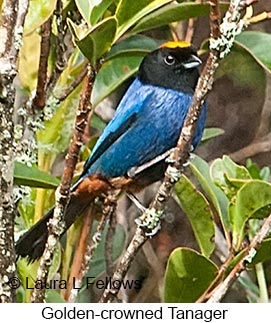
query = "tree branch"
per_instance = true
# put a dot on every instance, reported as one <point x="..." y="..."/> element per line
<point x="61" y="57"/>
<point x="56" y="225"/>
<point x="11" y="27"/>
<point x="263" y="145"/>
<point x="265" y="119"/>
<point x="74" y="84"/>
<point x="78" y="258"/>
<point x="40" y="97"/>
<point x="222" y="288"/>
<point x="222" y="37"/>
<point x="109" y="208"/>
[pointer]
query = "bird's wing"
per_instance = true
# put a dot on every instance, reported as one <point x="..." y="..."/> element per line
<point x="125" y="116"/>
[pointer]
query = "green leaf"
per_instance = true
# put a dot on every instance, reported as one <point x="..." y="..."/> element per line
<point x="201" y="171"/>
<point x="171" y="13"/>
<point x="130" y="12"/>
<point x="99" y="10"/>
<point x="55" y="136"/>
<point x="257" y="173"/>
<point x="97" y="123"/>
<point x="27" y="272"/>
<point x="199" y="213"/>
<point x="263" y="253"/>
<point x="29" y="61"/>
<point x="39" y="11"/>
<point x="112" y="74"/>
<point x="253" y="169"/>
<point x="133" y="44"/>
<point x="228" y="175"/>
<point x="84" y="7"/>
<point x="188" y="275"/>
<point x="49" y="137"/>
<point x="210" y="133"/>
<point x="242" y="68"/>
<point x="97" y="41"/>
<point x="33" y="177"/>
<point x="121" y="63"/>
<point x="258" y="44"/>
<point x="253" y="197"/>
<point x="265" y="174"/>
<point x="92" y="10"/>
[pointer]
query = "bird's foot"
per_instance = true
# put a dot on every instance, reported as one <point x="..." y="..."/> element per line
<point x="150" y="222"/>
<point x="136" y="202"/>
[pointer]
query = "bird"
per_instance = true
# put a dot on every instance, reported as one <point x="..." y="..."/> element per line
<point x="130" y="154"/>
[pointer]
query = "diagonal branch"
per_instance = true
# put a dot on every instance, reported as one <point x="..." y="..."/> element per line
<point x="66" y="92"/>
<point x="222" y="288"/>
<point x="56" y="224"/>
<point x="222" y="37"/>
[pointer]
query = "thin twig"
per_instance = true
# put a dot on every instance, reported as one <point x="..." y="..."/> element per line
<point x="190" y="30"/>
<point x="216" y="281"/>
<point x="61" y="57"/>
<point x="40" y="97"/>
<point x="56" y="224"/>
<point x="214" y="18"/>
<point x="80" y="252"/>
<point x="11" y="30"/>
<point x="138" y="240"/>
<point x="221" y="289"/>
<point x="261" y="146"/>
<point x="109" y="208"/>
<point x="73" y="85"/>
<point x="265" y="119"/>
<point x="108" y="246"/>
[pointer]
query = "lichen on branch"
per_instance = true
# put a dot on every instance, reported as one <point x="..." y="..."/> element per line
<point x="221" y="40"/>
<point x="11" y="26"/>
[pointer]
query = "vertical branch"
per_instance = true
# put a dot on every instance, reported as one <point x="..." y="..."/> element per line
<point x="61" y="57"/>
<point x="190" y="30"/>
<point x="56" y="224"/>
<point x="108" y="246"/>
<point x="76" y="276"/>
<point x="79" y="255"/>
<point x="40" y="97"/>
<point x="214" y="18"/>
<point x="11" y="26"/>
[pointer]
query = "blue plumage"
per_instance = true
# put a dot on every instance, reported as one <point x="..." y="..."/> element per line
<point x="146" y="124"/>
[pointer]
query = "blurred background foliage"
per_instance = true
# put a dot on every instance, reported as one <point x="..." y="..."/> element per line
<point x="220" y="202"/>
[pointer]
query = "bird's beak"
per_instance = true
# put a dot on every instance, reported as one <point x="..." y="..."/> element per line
<point x="192" y="62"/>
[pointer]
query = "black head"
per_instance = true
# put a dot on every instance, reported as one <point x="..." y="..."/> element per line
<point x="174" y="65"/>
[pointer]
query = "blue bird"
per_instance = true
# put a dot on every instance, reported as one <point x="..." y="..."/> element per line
<point x="146" y="125"/>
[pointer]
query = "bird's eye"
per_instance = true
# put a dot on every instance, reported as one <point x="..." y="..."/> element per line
<point x="169" y="60"/>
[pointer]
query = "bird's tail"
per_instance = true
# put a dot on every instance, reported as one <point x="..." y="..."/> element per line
<point x="32" y="243"/>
